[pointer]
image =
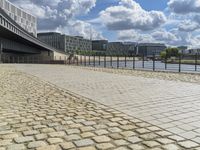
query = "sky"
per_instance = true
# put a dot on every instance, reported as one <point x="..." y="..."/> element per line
<point x="173" y="22"/>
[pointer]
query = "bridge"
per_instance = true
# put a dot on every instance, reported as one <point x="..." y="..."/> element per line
<point x="14" y="40"/>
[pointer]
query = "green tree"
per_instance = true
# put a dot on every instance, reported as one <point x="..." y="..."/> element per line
<point x="170" y="52"/>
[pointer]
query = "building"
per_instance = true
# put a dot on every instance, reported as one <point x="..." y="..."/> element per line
<point x="150" y="49"/>
<point x="99" y="45"/>
<point x="22" y="18"/>
<point x="65" y="43"/>
<point x="122" y="48"/>
<point x="18" y="37"/>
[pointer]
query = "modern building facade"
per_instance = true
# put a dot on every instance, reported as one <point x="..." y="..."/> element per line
<point x="121" y="48"/>
<point x="66" y="43"/>
<point x="99" y="45"/>
<point x="22" y="18"/>
<point x="150" y="49"/>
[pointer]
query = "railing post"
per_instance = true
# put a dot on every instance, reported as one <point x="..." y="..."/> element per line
<point x="153" y="62"/>
<point x="111" y="60"/>
<point x="165" y="62"/>
<point x="77" y="61"/>
<point x="85" y="59"/>
<point x="81" y="60"/>
<point x="179" y="63"/>
<point x="125" y="62"/>
<point x="143" y="61"/>
<point x="99" y="60"/>
<point x="94" y="60"/>
<point x="18" y="59"/>
<point x="105" y="61"/>
<point x="117" y="61"/>
<point x="196" y="62"/>
<point x="89" y="59"/>
<point x="133" y="61"/>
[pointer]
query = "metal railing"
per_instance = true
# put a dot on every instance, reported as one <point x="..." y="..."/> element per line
<point x="182" y="63"/>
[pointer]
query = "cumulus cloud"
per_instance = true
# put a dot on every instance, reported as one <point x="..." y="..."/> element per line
<point x="54" y="13"/>
<point x="132" y="35"/>
<point x="130" y="15"/>
<point x="81" y="28"/>
<point x="188" y="26"/>
<point x="184" y="6"/>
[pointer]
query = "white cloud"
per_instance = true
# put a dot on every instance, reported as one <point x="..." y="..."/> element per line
<point x="132" y="35"/>
<point x="184" y="6"/>
<point x="188" y="26"/>
<point x="81" y="28"/>
<point x="54" y="13"/>
<point x="130" y="15"/>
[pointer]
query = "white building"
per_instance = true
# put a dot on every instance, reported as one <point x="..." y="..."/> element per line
<point x="24" y="19"/>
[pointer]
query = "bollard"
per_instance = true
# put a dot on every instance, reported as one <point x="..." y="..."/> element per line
<point x="111" y="60"/>
<point x="133" y="61"/>
<point x="143" y="61"/>
<point x="85" y="59"/>
<point x="153" y="62"/>
<point x="104" y="61"/>
<point x="166" y="63"/>
<point x="99" y="60"/>
<point x="196" y="62"/>
<point x="89" y="59"/>
<point x="94" y="61"/>
<point x="117" y="62"/>
<point x="125" y="62"/>
<point x="179" y="63"/>
<point x="81" y="60"/>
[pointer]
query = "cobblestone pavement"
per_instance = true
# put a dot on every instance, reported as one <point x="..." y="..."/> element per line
<point x="166" y="104"/>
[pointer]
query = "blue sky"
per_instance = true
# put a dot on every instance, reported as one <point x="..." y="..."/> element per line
<point x="173" y="22"/>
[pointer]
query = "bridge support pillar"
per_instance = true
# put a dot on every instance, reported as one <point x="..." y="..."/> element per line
<point x="1" y="51"/>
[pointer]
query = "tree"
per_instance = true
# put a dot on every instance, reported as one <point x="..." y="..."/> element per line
<point x="170" y="52"/>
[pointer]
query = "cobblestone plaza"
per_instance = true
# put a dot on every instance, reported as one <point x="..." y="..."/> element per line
<point x="62" y="107"/>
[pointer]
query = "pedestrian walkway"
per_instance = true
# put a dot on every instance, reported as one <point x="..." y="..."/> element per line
<point x="35" y="105"/>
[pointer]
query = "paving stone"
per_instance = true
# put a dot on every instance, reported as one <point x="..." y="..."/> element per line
<point x="10" y="136"/>
<point x="40" y="136"/>
<point x="24" y="139"/>
<point x="5" y="142"/>
<point x="164" y="141"/>
<point x="57" y="134"/>
<point x="84" y="142"/>
<point x="151" y="144"/>
<point x="134" y="139"/>
<point x="49" y="147"/>
<point x="136" y="147"/>
<point x="16" y="147"/>
<point x="103" y="146"/>
<point x="115" y="136"/>
<point x="72" y="137"/>
<point x="30" y="132"/>
<point x="170" y="147"/>
<point x="114" y="130"/>
<point x="89" y="123"/>
<point x="72" y="131"/>
<point x="54" y="140"/>
<point x="101" y="132"/>
<point x="87" y="134"/>
<point x="127" y="133"/>
<point x="188" y="144"/>
<point x="36" y="144"/>
<point x="67" y="145"/>
<point x="87" y="148"/>
<point x="101" y="139"/>
<point x="121" y="142"/>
